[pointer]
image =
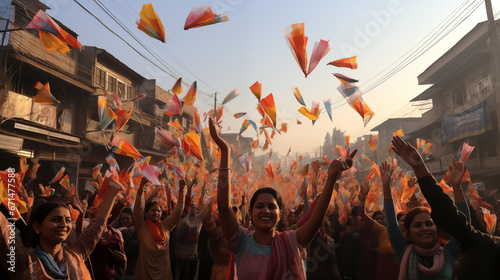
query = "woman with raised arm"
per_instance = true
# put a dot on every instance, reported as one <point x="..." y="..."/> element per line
<point x="154" y="235"/>
<point x="46" y="258"/>
<point x="268" y="254"/>
<point x="420" y="256"/>
<point x="480" y="252"/>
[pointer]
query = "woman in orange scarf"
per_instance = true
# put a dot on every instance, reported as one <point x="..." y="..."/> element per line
<point x="154" y="234"/>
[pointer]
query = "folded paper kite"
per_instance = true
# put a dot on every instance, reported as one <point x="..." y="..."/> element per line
<point x="202" y="16"/>
<point x="466" y="151"/>
<point x="173" y="107"/>
<point x="344" y="79"/>
<point x="150" y="23"/>
<point x="197" y="121"/>
<point x="349" y="62"/>
<point x="365" y="158"/>
<point x="398" y="132"/>
<point x="123" y="147"/>
<point x="246" y="161"/>
<point x="246" y="124"/>
<point x="110" y="159"/>
<point x="315" y="111"/>
<point x="424" y="148"/>
<point x="58" y="176"/>
<point x="179" y="172"/>
<point x="106" y="115"/>
<point x="256" y="89"/>
<point x="96" y="170"/>
<point x="353" y="96"/>
<point x="298" y="96"/>
<point x="52" y="35"/>
<point x="297" y="41"/>
<point x="122" y="118"/>
<point x="193" y="142"/>
<point x="43" y="95"/>
<point x="165" y="139"/>
<point x="190" y="97"/>
<point x="283" y="127"/>
<point x="269" y="107"/>
<point x="177" y="88"/>
<point x="239" y="115"/>
<point x="306" y="112"/>
<point x="328" y="107"/>
<point x="231" y="96"/>
<point x="151" y="173"/>
<point x="176" y="125"/>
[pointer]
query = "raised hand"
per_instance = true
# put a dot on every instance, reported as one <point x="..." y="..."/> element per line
<point x="407" y="152"/>
<point x="457" y="171"/>
<point x="338" y="165"/>
<point x="78" y="204"/>
<point x="412" y="182"/>
<point x="364" y="190"/>
<point x="385" y="172"/>
<point x="115" y="186"/>
<point x="223" y="145"/>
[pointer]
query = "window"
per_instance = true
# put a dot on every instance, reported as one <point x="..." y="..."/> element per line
<point x="112" y="83"/>
<point x="478" y="87"/>
<point x="101" y="77"/>
<point x="130" y="94"/>
<point x="121" y="90"/>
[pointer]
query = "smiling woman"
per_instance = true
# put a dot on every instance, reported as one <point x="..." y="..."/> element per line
<point x="267" y="253"/>
<point x="45" y="258"/>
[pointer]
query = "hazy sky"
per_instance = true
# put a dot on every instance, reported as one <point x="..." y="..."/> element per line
<point x="251" y="47"/>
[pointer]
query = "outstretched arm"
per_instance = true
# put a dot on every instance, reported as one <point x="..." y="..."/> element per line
<point x="444" y="212"/>
<point x="228" y="221"/>
<point x="307" y="232"/>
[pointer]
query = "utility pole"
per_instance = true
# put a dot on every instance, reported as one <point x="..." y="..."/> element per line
<point x="495" y="59"/>
<point x="215" y="103"/>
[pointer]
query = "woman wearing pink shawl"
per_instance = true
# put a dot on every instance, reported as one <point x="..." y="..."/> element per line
<point x="266" y="253"/>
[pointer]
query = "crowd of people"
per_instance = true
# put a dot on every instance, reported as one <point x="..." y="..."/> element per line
<point x="435" y="237"/>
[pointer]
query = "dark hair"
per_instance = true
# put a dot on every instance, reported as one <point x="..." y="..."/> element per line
<point x="151" y="204"/>
<point x="127" y="210"/>
<point x="270" y="191"/>
<point x="376" y="213"/>
<point x="400" y="214"/>
<point x="412" y="213"/>
<point x="38" y="214"/>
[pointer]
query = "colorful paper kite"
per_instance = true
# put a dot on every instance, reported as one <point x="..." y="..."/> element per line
<point x="233" y="94"/>
<point x="283" y="127"/>
<point x="299" y="122"/>
<point x="424" y="148"/>
<point x="110" y="159"/>
<point x="353" y="96"/>
<point x="193" y="142"/>
<point x="123" y="147"/>
<point x="190" y="97"/>
<point x="165" y="139"/>
<point x="106" y="115"/>
<point x="349" y="62"/>
<point x="246" y="124"/>
<point x="256" y="89"/>
<point x="202" y="16"/>
<point x="344" y="79"/>
<point x="179" y="172"/>
<point x="372" y="143"/>
<point x="315" y="111"/>
<point x="246" y="161"/>
<point x="298" y="96"/>
<point x="96" y="170"/>
<point x="173" y="107"/>
<point x="270" y="169"/>
<point x="197" y="121"/>
<point x="466" y="151"/>
<point x="176" y="125"/>
<point x="269" y="107"/>
<point x="122" y="118"/>
<point x="239" y="115"/>
<point x="58" y="176"/>
<point x="328" y="107"/>
<point x="297" y="41"/>
<point x="52" y="35"/>
<point x="151" y="173"/>
<point x="177" y="88"/>
<point x="44" y="96"/>
<point x="150" y="23"/>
